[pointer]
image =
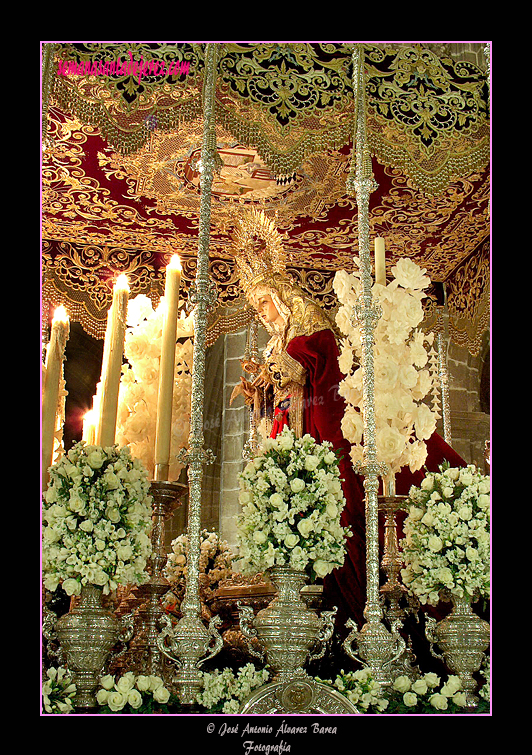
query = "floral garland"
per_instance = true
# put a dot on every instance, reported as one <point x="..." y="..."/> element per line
<point x="58" y="691"/>
<point x="292" y="499"/>
<point x="360" y="689"/>
<point x="139" y="384"/>
<point x="224" y="691"/>
<point x="403" y="420"/>
<point x="96" y="520"/>
<point x="215" y="564"/>
<point x="134" y="694"/>
<point x="405" y="695"/>
<point x="446" y="546"/>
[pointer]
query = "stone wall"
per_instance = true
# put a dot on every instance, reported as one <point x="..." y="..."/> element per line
<point x="469" y="402"/>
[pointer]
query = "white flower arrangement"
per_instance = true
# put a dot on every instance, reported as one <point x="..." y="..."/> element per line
<point x="446" y="547"/>
<point x="292" y="499"/>
<point x="404" y="695"/>
<point x="402" y="379"/>
<point x="215" y="564"/>
<point x="139" y="384"/>
<point x="132" y="694"/>
<point x="96" y="520"/>
<point x="58" y="691"/>
<point x="423" y="696"/>
<point x="360" y="689"/>
<point x="224" y="691"/>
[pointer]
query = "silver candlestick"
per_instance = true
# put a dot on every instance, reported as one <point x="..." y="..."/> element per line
<point x="188" y="643"/>
<point x="377" y="647"/>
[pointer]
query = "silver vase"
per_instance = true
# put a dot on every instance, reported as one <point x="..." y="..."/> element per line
<point x="286" y="629"/>
<point x="87" y="635"/>
<point x="463" y="637"/>
<point x="287" y="634"/>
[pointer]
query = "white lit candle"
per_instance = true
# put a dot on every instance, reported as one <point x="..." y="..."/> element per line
<point x="163" y="433"/>
<point x="380" y="261"/>
<point x="55" y="354"/>
<point x="89" y="427"/>
<point x="112" y="364"/>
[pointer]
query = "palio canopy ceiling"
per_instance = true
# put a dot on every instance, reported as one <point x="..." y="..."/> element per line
<point x="121" y="172"/>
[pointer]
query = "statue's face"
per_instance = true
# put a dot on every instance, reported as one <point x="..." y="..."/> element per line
<point x="267" y="309"/>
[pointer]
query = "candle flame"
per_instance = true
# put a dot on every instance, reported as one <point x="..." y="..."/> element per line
<point x="175" y="263"/>
<point x="90" y="417"/>
<point x="60" y="314"/>
<point x="122" y="282"/>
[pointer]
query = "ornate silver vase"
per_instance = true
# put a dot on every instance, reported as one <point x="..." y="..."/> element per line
<point x="463" y="638"/>
<point x="87" y="635"/>
<point x="287" y="633"/>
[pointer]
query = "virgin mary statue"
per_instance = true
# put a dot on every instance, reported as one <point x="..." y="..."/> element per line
<point x="296" y="385"/>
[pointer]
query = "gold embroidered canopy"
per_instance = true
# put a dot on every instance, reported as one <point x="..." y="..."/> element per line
<point x="122" y="127"/>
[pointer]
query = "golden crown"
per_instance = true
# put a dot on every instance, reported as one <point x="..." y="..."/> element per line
<point x="258" y="249"/>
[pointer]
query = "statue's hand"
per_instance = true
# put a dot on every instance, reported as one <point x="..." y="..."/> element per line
<point x="261" y="381"/>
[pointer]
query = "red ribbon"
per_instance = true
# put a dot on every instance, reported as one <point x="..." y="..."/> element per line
<point x="280" y="421"/>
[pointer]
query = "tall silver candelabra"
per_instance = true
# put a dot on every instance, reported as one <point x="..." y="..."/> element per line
<point x="377" y="647"/>
<point x="189" y="643"/>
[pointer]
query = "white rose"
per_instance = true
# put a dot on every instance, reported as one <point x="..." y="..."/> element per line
<point x="459" y="698"/>
<point x="466" y="478"/>
<point x="410" y="275"/>
<point x="72" y="587"/>
<point x="424" y="422"/>
<point x="107" y="681"/>
<point x="276" y="499"/>
<point x="259" y="537"/>
<point x="155" y="682"/>
<point x="386" y="373"/>
<point x="484" y="486"/>
<point x="291" y="540"/>
<point x="483" y="501"/>
<point x="161" y="695"/>
<point x="322" y="568"/>
<point x="311" y="462"/>
<point x="126" y="682"/>
<point x="452" y="686"/>
<point x="124" y="552"/>
<point x="390" y="443"/>
<point x="286" y="441"/>
<point x="410" y="699"/>
<point x="415" y="514"/>
<point x="465" y="513"/>
<point x="435" y="544"/>
<point x="345" y="285"/>
<point x="438" y="701"/>
<point x="420" y="686"/>
<point x="297" y="485"/>
<point x="134" y="698"/>
<point x="331" y="510"/>
<point x="116" y="701"/>
<point x="139" y="308"/>
<point x="143" y="683"/>
<point x="345" y="360"/>
<point x="401" y="684"/>
<point x="305" y="526"/>
<point x="101" y="696"/>
<point x="428" y="482"/>
<point x="96" y="459"/>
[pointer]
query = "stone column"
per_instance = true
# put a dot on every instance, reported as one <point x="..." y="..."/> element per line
<point x="235" y="431"/>
<point x="470" y="423"/>
<point x="235" y="427"/>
